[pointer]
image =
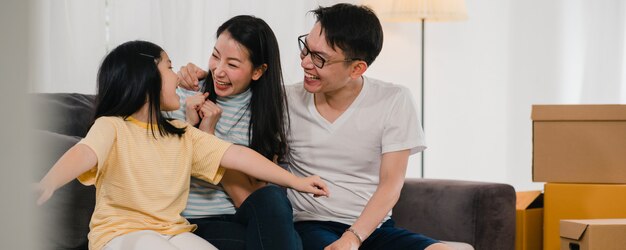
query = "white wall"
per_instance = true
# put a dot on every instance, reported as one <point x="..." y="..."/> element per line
<point x="482" y="75"/>
<point x="466" y="72"/>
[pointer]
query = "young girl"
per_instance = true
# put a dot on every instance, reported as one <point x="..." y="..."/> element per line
<point x="140" y="162"/>
<point x="245" y="106"/>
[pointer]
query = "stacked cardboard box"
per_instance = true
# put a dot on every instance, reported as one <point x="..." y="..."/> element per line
<point x="529" y="220"/>
<point x="593" y="234"/>
<point x="580" y="151"/>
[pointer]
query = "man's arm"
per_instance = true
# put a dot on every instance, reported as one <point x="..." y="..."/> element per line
<point x="392" y="171"/>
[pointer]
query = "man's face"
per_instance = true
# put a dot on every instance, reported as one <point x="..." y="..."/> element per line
<point x="334" y="73"/>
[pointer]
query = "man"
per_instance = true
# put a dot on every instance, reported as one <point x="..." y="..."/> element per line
<point x="355" y="132"/>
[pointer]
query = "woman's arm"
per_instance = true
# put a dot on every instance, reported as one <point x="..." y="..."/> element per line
<point x="77" y="160"/>
<point x="189" y="75"/>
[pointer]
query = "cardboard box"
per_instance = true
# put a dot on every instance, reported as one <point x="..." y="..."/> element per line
<point x="579" y="143"/>
<point x="604" y="234"/>
<point x="529" y="220"/>
<point x="579" y="201"/>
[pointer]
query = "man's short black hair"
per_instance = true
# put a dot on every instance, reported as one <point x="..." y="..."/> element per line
<point x="354" y="29"/>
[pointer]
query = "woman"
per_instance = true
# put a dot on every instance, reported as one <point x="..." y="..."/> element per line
<point x="246" y="105"/>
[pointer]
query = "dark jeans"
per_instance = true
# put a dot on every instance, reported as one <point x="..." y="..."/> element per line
<point x="264" y="221"/>
<point x="318" y="234"/>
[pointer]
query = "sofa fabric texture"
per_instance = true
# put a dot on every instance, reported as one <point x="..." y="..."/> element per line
<point x="479" y="213"/>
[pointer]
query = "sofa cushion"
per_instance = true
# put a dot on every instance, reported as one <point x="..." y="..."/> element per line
<point x="65" y="217"/>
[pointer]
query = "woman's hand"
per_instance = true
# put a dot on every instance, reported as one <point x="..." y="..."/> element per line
<point x="189" y="75"/>
<point x="313" y="185"/>
<point x="193" y="105"/>
<point x="210" y="114"/>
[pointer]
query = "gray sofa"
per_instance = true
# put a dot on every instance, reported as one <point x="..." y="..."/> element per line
<point x="478" y="213"/>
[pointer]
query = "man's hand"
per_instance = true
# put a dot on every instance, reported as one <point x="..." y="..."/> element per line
<point x="189" y="75"/>
<point x="348" y="241"/>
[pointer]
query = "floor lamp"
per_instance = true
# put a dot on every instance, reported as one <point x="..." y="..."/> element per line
<point x="419" y="11"/>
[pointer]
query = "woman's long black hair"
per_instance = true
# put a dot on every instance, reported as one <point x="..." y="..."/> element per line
<point x="268" y="105"/>
<point x="127" y="78"/>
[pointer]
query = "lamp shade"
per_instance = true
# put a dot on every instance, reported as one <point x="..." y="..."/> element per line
<point x="417" y="10"/>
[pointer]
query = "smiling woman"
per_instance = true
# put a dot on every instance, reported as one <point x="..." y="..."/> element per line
<point x="242" y="100"/>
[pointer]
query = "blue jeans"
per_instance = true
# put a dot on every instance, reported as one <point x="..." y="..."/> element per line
<point x="318" y="234"/>
<point x="264" y="221"/>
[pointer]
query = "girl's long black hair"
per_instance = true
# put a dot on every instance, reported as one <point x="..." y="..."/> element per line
<point x="127" y="79"/>
<point x="268" y="105"/>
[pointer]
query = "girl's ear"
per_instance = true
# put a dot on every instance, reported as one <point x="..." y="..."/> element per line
<point x="358" y="68"/>
<point x="258" y="72"/>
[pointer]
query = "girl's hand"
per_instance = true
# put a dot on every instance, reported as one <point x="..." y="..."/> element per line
<point x="193" y="104"/>
<point x="313" y="185"/>
<point x="44" y="193"/>
<point x="189" y="76"/>
<point x="210" y="113"/>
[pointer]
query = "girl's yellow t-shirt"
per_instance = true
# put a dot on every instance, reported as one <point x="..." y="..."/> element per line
<point x="142" y="182"/>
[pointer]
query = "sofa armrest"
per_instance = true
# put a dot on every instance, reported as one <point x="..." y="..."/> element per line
<point x="478" y="213"/>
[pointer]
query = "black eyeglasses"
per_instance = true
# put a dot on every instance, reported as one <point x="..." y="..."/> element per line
<point x="317" y="60"/>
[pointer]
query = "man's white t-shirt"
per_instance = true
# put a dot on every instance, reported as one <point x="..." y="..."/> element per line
<point x="347" y="153"/>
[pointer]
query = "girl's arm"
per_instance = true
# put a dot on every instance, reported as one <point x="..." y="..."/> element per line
<point x="252" y="163"/>
<point x="77" y="160"/>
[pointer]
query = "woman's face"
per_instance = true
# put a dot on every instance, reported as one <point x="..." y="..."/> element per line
<point x="169" y="82"/>
<point x="231" y="67"/>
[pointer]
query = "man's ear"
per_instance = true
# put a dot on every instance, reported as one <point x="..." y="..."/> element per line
<point x="358" y="69"/>
<point x="258" y="72"/>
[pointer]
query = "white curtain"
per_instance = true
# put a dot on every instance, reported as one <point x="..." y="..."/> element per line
<point x="71" y="37"/>
<point x="482" y="74"/>
<point x="68" y="39"/>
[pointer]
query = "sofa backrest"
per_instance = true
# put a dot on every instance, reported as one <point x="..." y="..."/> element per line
<point x="63" y="113"/>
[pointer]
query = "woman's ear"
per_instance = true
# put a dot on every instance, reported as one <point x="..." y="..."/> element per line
<point x="358" y="68"/>
<point x="258" y="71"/>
